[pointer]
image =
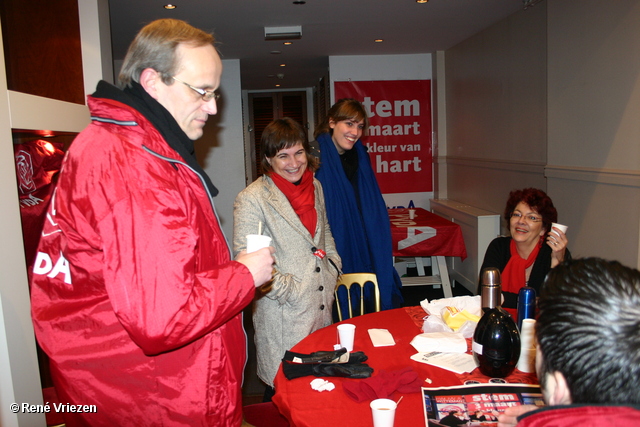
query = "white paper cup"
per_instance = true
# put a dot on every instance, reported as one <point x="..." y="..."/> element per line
<point x="383" y="412"/>
<point x="257" y="241"/>
<point x="527" y="334"/>
<point x="346" y="333"/>
<point x="412" y="213"/>
<point x="561" y="227"/>
<point x="527" y="360"/>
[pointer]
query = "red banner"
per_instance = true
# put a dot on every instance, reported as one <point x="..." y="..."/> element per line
<point x="399" y="136"/>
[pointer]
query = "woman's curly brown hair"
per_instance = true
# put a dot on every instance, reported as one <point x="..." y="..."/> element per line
<point x="537" y="200"/>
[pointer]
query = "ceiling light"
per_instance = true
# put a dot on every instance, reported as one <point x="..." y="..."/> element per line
<point x="275" y="52"/>
<point x="378" y="40"/>
<point x="283" y="33"/>
<point x="287" y="43"/>
<point x="170" y="6"/>
<point x="422" y="1"/>
<point x="283" y="65"/>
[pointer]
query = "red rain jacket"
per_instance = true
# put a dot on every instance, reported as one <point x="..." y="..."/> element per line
<point x="582" y="416"/>
<point x="134" y="296"/>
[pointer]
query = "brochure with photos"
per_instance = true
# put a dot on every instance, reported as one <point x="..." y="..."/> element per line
<point x="477" y="404"/>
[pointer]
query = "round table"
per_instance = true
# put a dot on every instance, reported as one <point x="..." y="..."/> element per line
<point x="303" y="406"/>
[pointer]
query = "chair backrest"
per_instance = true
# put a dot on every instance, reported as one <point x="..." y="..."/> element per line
<point x="357" y="279"/>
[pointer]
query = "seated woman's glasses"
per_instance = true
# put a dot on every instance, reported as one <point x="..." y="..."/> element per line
<point x="530" y="218"/>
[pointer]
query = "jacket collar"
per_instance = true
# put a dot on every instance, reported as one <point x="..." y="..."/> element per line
<point x="137" y="98"/>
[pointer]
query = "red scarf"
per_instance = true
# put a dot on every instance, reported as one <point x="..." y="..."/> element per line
<point x="301" y="197"/>
<point x="514" y="274"/>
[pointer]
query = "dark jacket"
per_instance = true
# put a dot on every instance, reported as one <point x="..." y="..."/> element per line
<point x="498" y="255"/>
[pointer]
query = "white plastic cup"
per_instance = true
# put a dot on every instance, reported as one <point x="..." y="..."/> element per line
<point x="561" y="227"/>
<point x="527" y="360"/>
<point x="383" y="412"/>
<point x="257" y="241"/>
<point x="346" y="333"/>
<point x="412" y="213"/>
<point x="527" y="334"/>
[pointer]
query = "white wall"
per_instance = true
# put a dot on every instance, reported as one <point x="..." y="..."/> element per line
<point x="384" y="67"/>
<point x="593" y="166"/>
<point x="550" y="97"/>
<point x="19" y="374"/>
<point x="496" y="111"/>
<point x="220" y="151"/>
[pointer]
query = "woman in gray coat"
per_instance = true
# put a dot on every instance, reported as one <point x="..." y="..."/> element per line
<point x="288" y="203"/>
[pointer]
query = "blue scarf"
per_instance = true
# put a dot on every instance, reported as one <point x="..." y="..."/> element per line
<point x="363" y="241"/>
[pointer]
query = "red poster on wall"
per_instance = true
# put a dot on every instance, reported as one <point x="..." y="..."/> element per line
<point x="399" y="136"/>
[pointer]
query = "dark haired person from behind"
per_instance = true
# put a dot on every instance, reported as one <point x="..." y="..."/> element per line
<point x="525" y="258"/>
<point x="588" y="354"/>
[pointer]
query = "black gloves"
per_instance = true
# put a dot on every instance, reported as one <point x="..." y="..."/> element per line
<point x="338" y="356"/>
<point x="347" y="370"/>
<point x="326" y="364"/>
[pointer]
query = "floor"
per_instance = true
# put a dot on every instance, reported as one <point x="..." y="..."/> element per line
<point x="253" y="388"/>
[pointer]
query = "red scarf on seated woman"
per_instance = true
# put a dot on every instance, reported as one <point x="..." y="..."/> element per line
<point x="514" y="274"/>
<point x="302" y="198"/>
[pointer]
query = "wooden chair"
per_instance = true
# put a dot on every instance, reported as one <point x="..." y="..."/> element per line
<point x="359" y="280"/>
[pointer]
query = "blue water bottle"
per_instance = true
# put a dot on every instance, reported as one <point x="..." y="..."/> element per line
<point x="526" y="304"/>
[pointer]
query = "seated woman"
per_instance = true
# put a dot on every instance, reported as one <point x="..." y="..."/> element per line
<point x="525" y="258"/>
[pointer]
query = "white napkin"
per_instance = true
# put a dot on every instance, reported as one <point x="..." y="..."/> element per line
<point x="381" y="337"/>
<point x="443" y="342"/>
<point x="472" y="304"/>
<point x="322" y="385"/>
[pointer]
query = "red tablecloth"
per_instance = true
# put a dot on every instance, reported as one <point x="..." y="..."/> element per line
<point x="305" y="407"/>
<point x="427" y="234"/>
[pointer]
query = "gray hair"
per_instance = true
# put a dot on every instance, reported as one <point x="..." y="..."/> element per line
<point x="155" y="47"/>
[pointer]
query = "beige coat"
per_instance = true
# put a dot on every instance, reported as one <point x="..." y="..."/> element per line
<point x="299" y="299"/>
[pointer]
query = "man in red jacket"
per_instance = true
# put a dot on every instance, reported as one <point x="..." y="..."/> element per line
<point x="588" y="354"/>
<point x="135" y="297"/>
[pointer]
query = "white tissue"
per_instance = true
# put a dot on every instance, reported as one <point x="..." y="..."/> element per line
<point x="322" y="385"/>
<point x="381" y="337"/>
<point x="472" y="304"/>
<point x="435" y="323"/>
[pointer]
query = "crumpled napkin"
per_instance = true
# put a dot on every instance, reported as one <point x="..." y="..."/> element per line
<point x="456" y="318"/>
<point x="436" y="322"/>
<point x="472" y="304"/>
<point x="383" y="385"/>
<point x="322" y="385"/>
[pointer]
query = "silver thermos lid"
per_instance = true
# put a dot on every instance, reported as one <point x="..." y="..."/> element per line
<point x="491" y="288"/>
